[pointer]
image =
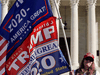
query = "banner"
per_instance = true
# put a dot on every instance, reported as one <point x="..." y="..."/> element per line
<point x="23" y="16"/>
<point x="31" y="46"/>
<point x="44" y="44"/>
<point x="16" y="27"/>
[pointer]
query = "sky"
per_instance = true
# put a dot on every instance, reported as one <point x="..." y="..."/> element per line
<point x="0" y="11"/>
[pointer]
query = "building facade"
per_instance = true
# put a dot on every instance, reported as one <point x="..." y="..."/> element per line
<point x="82" y="27"/>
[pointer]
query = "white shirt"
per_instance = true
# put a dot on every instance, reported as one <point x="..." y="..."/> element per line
<point x="97" y="73"/>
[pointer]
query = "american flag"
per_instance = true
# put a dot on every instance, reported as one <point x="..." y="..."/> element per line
<point x="3" y="49"/>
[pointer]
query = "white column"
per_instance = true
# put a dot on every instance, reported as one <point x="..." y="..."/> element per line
<point x="97" y="57"/>
<point x="74" y="33"/>
<point x="4" y="9"/>
<point x="92" y="28"/>
<point x="54" y="10"/>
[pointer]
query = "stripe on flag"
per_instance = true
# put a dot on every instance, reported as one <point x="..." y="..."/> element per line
<point x="2" y="71"/>
<point x="3" y="48"/>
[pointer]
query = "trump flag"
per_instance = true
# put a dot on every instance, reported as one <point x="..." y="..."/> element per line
<point x="28" y="41"/>
<point x="44" y="44"/>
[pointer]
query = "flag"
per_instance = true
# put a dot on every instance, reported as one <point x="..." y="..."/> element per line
<point x="22" y="17"/>
<point x="16" y="27"/>
<point x="44" y="43"/>
<point x="20" y="56"/>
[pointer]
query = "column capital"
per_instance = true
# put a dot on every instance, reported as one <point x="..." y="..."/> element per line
<point x="91" y="2"/>
<point x="57" y="2"/>
<point x="74" y="2"/>
<point x="4" y="2"/>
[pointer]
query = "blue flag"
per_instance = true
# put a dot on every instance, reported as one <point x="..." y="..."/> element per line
<point x="27" y="28"/>
<point x="23" y="16"/>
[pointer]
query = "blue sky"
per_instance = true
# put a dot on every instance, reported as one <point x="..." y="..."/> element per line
<point x="0" y="10"/>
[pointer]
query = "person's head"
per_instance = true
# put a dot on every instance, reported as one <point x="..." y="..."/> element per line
<point x="87" y="61"/>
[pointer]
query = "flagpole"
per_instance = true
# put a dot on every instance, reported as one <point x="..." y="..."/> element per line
<point x="62" y="25"/>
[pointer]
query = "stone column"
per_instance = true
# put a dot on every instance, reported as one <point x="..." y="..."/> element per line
<point x="97" y="57"/>
<point x="74" y="33"/>
<point x="4" y="8"/>
<point x="92" y="28"/>
<point x="54" y="10"/>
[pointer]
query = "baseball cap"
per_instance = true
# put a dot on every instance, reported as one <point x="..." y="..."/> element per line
<point x="88" y="56"/>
